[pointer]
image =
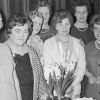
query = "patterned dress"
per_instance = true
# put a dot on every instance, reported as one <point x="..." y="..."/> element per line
<point x="25" y="75"/>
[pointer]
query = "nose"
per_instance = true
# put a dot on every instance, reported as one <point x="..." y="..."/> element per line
<point x="81" y="14"/>
<point x="21" y="34"/>
<point x="44" y="14"/>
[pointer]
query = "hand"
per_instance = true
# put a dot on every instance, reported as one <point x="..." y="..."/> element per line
<point x="92" y="79"/>
<point x="44" y="97"/>
<point x="98" y="80"/>
<point x="70" y="90"/>
<point x="82" y="43"/>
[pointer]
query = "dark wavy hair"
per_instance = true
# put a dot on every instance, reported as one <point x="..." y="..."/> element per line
<point x="76" y="3"/>
<point x="15" y="20"/>
<point x="60" y="15"/>
<point x="33" y="14"/>
<point x="43" y="3"/>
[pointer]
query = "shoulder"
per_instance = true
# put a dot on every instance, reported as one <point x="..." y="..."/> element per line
<point x="89" y="46"/>
<point x="4" y="48"/>
<point x="31" y="49"/>
<point x="77" y="45"/>
<point x="50" y="41"/>
<point x="73" y="29"/>
<point x="5" y="53"/>
<point x="75" y="40"/>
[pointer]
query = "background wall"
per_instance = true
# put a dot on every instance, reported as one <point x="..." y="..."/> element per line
<point x="10" y="7"/>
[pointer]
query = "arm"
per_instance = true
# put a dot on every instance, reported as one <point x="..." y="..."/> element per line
<point x="80" y="69"/>
<point x="47" y="60"/>
<point x="7" y="84"/>
<point x="91" y="77"/>
<point x="36" y="66"/>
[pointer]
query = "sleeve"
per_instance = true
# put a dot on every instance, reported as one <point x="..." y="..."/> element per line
<point x="7" y="83"/>
<point x="47" y="68"/>
<point x="80" y="69"/>
<point x="36" y="65"/>
<point x="87" y="50"/>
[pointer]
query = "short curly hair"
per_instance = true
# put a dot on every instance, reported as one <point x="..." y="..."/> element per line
<point x="60" y="15"/>
<point x="95" y="20"/>
<point x="43" y="3"/>
<point x="76" y="3"/>
<point x="17" y="19"/>
<point x="33" y="14"/>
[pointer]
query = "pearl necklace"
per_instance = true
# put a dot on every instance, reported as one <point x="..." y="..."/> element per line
<point x="82" y="29"/>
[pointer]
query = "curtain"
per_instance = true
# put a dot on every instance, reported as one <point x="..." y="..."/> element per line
<point x="10" y="7"/>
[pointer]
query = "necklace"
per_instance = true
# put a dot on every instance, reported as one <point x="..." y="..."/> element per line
<point x="82" y="29"/>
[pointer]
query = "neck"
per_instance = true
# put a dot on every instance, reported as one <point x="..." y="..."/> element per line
<point x="45" y="26"/>
<point x="81" y="25"/>
<point x="63" y="38"/>
<point x="16" y="49"/>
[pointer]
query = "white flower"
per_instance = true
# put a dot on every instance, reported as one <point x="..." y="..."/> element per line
<point x="57" y="72"/>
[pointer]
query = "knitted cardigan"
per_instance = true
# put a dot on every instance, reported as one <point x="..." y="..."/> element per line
<point x="37" y="71"/>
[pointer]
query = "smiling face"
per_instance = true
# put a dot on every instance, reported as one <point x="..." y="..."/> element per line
<point x="63" y="28"/>
<point x="97" y="31"/>
<point x="37" y="23"/>
<point x="45" y="13"/>
<point x="19" y="34"/>
<point x="81" y="14"/>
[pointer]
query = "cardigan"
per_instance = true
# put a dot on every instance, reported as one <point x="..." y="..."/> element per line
<point x="8" y="65"/>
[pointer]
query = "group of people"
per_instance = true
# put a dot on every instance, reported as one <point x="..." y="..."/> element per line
<point x="35" y="47"/>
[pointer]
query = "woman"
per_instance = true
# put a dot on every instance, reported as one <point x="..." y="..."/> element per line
<point x="64" y="50"/>
<point x="34" y="40"/>
<point x="93" y="61"/>
<point x="47" y="31"/>
<point x="82" y="30"/>
<point x="21" y="60"/>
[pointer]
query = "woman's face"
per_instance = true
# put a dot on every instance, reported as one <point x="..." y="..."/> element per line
<point x="81" y="14"/>
<point x="97" y="31"/>
<point x="45" y="13"/>
<point x="37" y="23"/>
<point x="63" y="28"/>
<point x="1" y="22"/>
<point x="19" y="34"/>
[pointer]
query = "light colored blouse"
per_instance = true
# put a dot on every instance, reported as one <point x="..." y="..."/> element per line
<point x="52" y="56"/>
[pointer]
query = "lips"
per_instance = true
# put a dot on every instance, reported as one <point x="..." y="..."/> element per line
<point x="81" y="18"/>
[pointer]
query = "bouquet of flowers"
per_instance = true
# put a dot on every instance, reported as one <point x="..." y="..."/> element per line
<point x="60" y="81"/>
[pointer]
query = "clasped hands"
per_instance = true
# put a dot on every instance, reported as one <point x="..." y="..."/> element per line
<point x="94" y="80"/>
